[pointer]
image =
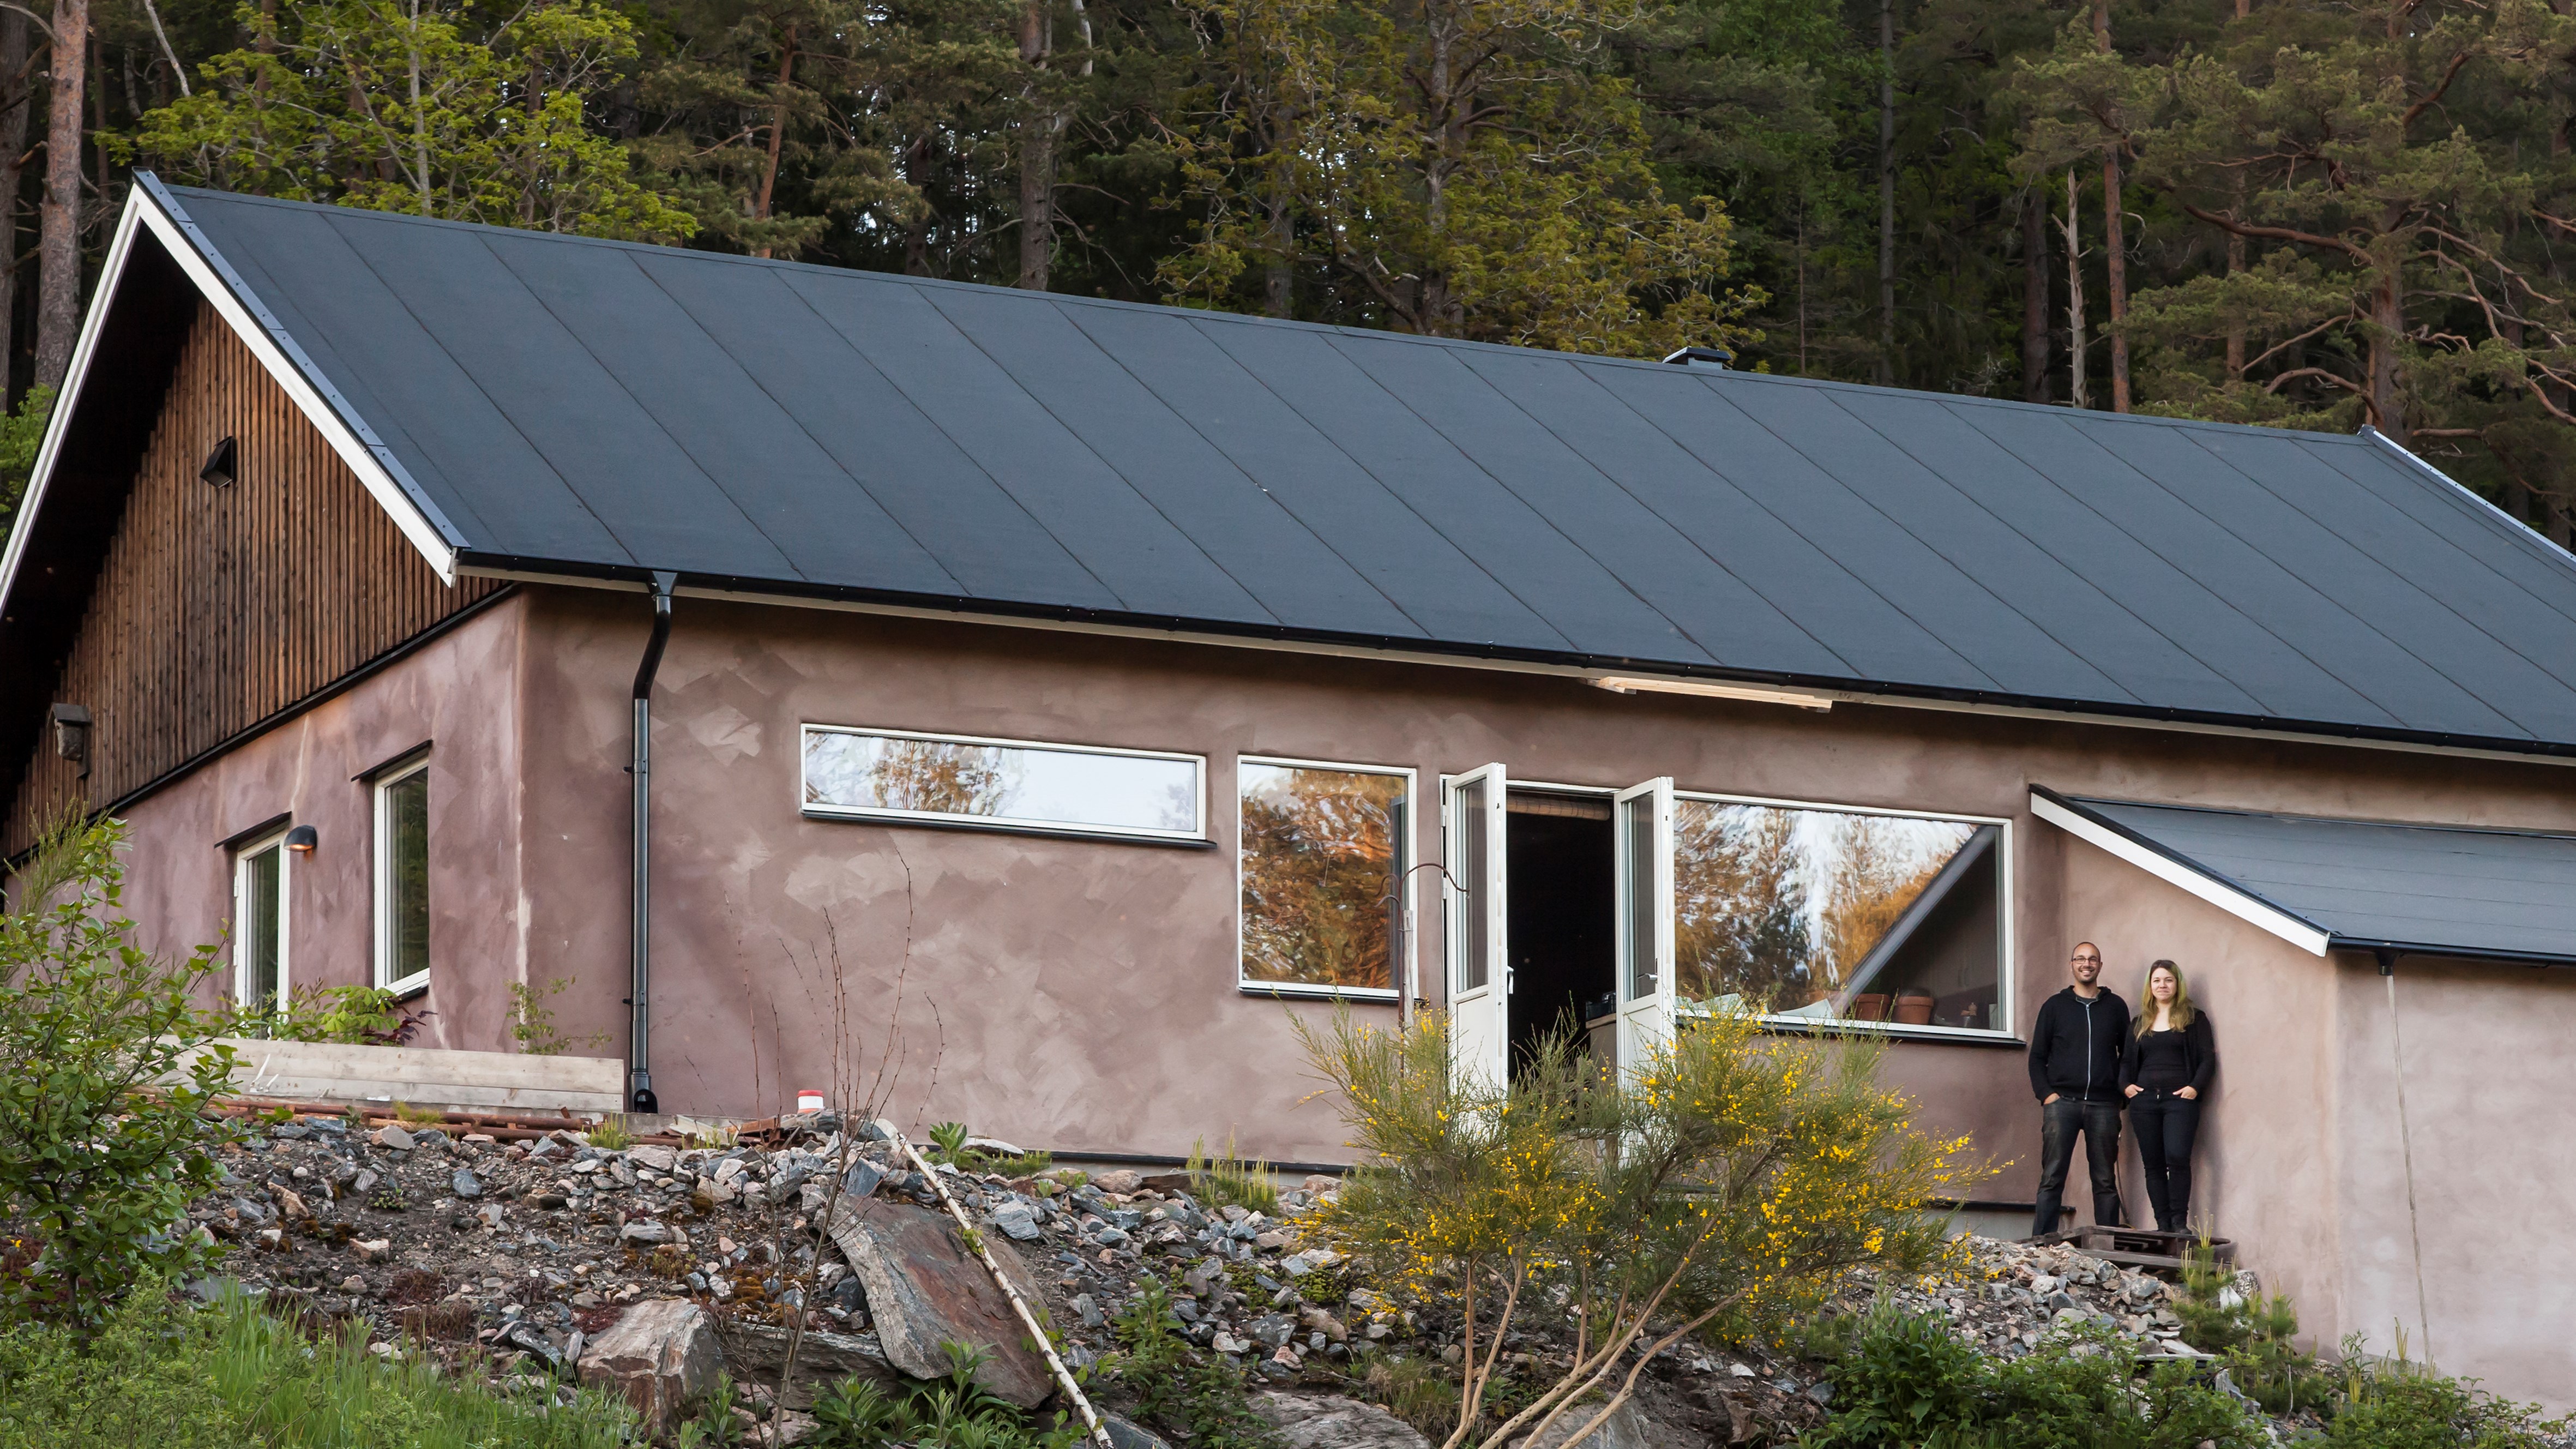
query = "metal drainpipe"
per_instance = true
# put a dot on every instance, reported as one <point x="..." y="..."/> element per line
<point x="2406" y="1148"/>
<point x="639" y="1037"/>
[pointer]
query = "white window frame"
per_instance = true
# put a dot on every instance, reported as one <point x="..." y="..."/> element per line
<point x="242" y="854"/>
<point x="1004" y="823"/>
<point x="381" y="869"/>
<point x="1404" y="875"/>
<point x="2007" y="967"/>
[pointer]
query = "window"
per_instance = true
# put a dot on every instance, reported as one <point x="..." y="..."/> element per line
<point x="1004" y="784"/>
<point x="1837" y="914"/>
<point x="402" y="877"/>
<point x="1323" y="860"/>
<point x="259" y="923"/>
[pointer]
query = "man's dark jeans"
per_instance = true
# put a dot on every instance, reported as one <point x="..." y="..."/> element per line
<point x="2100" y="1124"/>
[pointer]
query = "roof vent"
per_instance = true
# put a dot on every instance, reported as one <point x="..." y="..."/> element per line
<point x="1717" y="357"/>
<point x="219" y="469"/>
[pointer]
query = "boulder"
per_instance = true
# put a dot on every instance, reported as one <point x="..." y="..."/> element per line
<point x="1629" y="1427"/>
<point x="1323" y="1421"/>
<point x="925" y="1289"/>
<point x="662" y="1355"/>
<point x="1122" y="1180"/>
<point x="1124" y="1435"/>
<point x="755" y="1352"/>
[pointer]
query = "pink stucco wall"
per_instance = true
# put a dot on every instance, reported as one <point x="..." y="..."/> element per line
<point x="455" y="692"/>
<point x="1082" y="995"/>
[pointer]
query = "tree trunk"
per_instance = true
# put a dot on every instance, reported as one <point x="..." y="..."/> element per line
<point x="1886" y="370"/>
<point x="2074" y="302"/>
<point x="58" y="218"/>
<point x="1277" y="277"/>
<point x="17" y="98"/>
<point x="760" y="207"/>
<point x="2388" y="322"/>
<point x="2034" y="296"/>
<point x="2115" y="261"/>
<point x="1037" y="159"/>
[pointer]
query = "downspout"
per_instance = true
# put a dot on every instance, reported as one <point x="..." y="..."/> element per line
<point x="639" y="1036"/>
<point x="2406" y="1148"/>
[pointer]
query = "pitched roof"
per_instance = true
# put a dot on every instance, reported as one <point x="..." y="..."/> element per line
<point x="2353" y="884"/>
<point x="573" y="407"/>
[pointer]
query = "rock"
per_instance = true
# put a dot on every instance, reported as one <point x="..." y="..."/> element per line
<point x="290" y="1206"/>
<point x="862" y="1178"/>
<point x="465" y="1184"/>
<point x="1019" y="1222"/>
<point x="660" y="1159"/>
<point x="393" y="1137"/>
<point x="520" y="1333"/>
<point x="662" y="1355"/>
<point x="1121" y="1181"/>
<point x="374" y="1250"/>
<point x="644" y="1230"/>
<point x="758" y="1351"/>
<point x="925" y="1289"/>
<point x="1323" y="1421"/>
<point x="993" y="1145"/>
<point x="1123" y="1435"/>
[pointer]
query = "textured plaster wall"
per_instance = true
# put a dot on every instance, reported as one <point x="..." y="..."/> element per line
<point x="457" y="694"/>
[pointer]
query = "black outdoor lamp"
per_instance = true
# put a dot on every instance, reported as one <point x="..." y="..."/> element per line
<point x="302" y="839"/>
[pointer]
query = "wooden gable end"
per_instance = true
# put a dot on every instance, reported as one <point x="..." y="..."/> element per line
<point x="220" y="608"/>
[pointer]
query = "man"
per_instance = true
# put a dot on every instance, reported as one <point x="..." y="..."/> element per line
<point x="2075" y="1072"/>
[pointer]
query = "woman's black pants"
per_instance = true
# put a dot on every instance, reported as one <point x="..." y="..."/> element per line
<point x="2165" y="1125"/>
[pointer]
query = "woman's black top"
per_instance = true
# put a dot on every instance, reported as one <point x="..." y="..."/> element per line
<point x="2168" y="1061"/>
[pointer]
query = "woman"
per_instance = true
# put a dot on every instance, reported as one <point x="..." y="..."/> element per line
<point x="2164" y="1069"/>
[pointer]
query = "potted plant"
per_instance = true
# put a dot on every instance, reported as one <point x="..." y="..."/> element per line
<point x="1914" y="1006"/>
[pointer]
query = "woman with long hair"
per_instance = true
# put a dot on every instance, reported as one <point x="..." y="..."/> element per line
<point x="2165" y="1070"/>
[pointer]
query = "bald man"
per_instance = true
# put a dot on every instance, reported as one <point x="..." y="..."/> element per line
<point x="2075" y="1073"/>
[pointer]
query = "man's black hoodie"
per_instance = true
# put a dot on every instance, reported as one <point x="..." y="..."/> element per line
<point x="2076" y="1044"/>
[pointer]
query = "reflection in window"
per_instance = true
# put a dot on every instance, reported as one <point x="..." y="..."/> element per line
<point x="1323" y="857"/>
<point x="259" y="926"/>
<point x="1006" y="786"/>
<point x="1826" y="913"/>
<point x="402" y="878"/>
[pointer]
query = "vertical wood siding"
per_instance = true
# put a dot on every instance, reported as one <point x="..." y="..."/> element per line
<point x="217" y="608"/>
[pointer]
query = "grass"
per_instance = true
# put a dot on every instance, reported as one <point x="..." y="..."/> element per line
<point x="234" y="1376"/>
<point x="1228" y="1178"/>
<point x="611" y="1134"/>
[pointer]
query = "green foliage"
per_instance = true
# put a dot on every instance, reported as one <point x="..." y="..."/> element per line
<point x="2254" y="1334"/>
<point x="1177" y="1389"/>
<point x="611" y="1134"/>
<point x="532" y="1021"/>
<point x="1228" y="1177"/>
<point x="22" y="434"/>
<point x="1908" y="1382"/>
<point x="105" y="1069"/>
<point x="440" y="109"/>
<point x="948" y="1412"/>
<point x="2398" y="1407"/>
<point x="353" y="1015"/>
<point x="233" y="1376"/>
<point x="1728" y="1180"/>
<point x="948" y="1144"/>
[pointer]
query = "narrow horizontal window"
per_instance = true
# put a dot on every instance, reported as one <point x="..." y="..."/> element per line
<point x="1323" y="865"/>
<point x="1004" y="784"/>
<point x="1838" y="915"/>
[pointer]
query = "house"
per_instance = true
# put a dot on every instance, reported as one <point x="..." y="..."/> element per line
<point x="1024" y="709"/>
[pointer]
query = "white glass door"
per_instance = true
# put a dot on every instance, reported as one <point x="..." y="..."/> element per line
<point x="1643" y="827"/>
<point x="1480" y="976"/>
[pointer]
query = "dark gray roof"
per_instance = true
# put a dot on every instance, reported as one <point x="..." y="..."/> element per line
<point x="570" y="405"/>
<point x="2434" y="890"/>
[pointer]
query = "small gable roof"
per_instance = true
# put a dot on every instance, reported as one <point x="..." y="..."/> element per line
<point x="567" y="407"/>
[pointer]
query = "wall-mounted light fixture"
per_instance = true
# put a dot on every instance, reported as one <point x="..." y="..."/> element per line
<point x="302" y="839"/>
<point x="1713" y="689"/>
<point x="71" y="734"/>
<point x="220" y="468"/>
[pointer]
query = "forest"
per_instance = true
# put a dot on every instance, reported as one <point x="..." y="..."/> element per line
<point x="2302" y="213"/>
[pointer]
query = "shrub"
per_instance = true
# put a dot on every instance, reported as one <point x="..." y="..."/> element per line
<point x="353" y="1015"/>
<point x="949" y="1412"/>
<point x="105" y="1069"/>
<point x="1729" y="1181"/>
<point x="2254" y="1333"/>
<point x="1175" y="1388"/>
<point x="2395" y="1404"/>
<point x="1908" y="1382"/>
<point x="532" y="1021"/>
<point x="1228" y="1177"/>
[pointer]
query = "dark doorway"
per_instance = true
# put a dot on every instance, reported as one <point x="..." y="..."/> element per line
<point x="1559" y="903"/>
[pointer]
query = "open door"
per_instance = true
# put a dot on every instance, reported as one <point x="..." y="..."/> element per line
<point x="1643" y="829"/>
<point x="1480" y="977"/>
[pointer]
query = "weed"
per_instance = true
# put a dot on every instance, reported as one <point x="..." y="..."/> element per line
<point x="1420" y="1391"/>
<point x="532" y="1021"/>
<point x="352" y="1015"/>
<point x="1175" y="1387"/>
<point x="1229" y="1178"/>
<point x="411" y="1116"/>
<point x="948" y="1412"/>
<point x="611" y="1134"/>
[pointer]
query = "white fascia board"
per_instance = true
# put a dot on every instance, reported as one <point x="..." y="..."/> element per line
<point x="2220" y="893"/>
<point x="382" y="474"/>
<point x="1577" y="672"/>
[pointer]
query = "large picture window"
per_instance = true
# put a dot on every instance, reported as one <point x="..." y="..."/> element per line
<point x="1838" y="914"/>
<point x="402" y="878"/>
<point x="260" y="872"/>
<point x="1004" y="784"/>
<point x="1323" y="850"/>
